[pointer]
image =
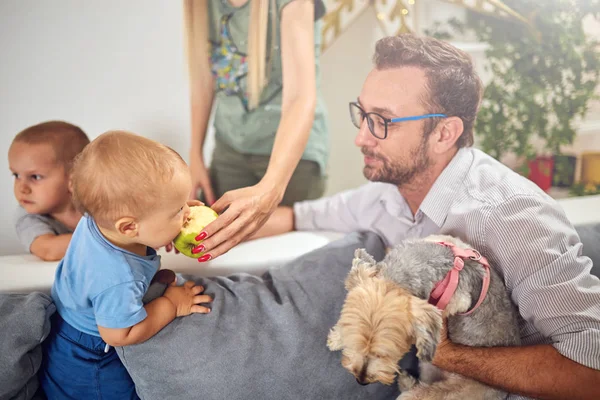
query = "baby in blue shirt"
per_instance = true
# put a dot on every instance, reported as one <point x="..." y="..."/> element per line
<point x="134" y="194"/>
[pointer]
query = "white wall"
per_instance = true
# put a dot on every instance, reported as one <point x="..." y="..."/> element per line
<point x="344" y="66"/>
<point x="113" y="64"/>
<point x="99" y="64"/>
<point x="119" y="65"/>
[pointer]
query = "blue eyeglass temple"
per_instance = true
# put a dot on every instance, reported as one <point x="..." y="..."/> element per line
<point x="417" y="117"/>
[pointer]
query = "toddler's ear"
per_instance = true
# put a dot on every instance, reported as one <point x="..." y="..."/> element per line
<point x="127" y="226"/>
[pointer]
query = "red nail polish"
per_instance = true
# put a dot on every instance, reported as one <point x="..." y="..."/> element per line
<point x="201" y="236"/>
<point x="198" y="249"/>
<point x="205" y="258"/>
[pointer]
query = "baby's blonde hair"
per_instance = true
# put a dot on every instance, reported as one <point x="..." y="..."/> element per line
<point x="122" y="174"/>
<point x="67" y="140"/>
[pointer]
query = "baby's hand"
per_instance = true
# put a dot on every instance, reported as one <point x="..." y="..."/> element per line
<point x="187" y="298"/>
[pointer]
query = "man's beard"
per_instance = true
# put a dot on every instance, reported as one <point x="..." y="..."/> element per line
<point x="396" y="174"/>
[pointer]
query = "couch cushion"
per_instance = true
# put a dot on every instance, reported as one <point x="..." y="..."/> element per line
<point x="264" y="339"/>
<point x="25" y="324"/>
<point x="590" y="237"/>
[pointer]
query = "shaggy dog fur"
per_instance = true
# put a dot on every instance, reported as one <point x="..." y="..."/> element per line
<point x="386" y="311"/>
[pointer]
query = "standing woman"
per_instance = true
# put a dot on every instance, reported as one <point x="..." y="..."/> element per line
<point x="259" y="61"/>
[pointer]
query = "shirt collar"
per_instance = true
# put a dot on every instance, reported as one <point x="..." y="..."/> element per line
<point x="439" y="199"/>
<point x="151" y="254"/>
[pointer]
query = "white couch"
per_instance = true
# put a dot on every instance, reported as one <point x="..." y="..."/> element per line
<point x="24" y="273"/>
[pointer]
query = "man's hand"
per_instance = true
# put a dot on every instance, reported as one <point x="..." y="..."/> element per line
<point x="538" y="371"/>
<point x="444" y="347"/>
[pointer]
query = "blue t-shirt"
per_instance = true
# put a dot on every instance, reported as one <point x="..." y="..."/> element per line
<point x="98" y="283"/>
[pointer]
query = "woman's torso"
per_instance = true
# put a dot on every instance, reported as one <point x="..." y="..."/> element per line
<point x="253" y="131"/>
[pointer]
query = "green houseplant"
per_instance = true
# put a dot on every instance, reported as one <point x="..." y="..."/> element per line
<point x="543" y="76"/>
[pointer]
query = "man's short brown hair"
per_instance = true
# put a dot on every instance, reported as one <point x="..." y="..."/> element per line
<point x="453" y="87"/>
<point x="66" y="139"/>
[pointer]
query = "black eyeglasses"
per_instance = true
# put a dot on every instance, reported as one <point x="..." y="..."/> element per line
<point x="378" y="124"/>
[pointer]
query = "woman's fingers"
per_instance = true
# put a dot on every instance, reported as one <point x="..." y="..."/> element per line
<point x="225" y="201"/>
<point x="222" y="222"/>
<point x="230" y="237"/>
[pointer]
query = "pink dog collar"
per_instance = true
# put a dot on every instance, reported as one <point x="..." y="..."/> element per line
<point x="444" y="290"/>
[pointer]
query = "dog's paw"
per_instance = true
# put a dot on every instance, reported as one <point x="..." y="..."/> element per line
<point x="334" y="339"/>
<point x="405" y="381"/>
<point x="407" y="396"/>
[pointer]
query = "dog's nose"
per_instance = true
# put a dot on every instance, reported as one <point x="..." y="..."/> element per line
<point x="362" y="382"/>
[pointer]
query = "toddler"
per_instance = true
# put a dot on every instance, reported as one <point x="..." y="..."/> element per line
<point x="133" y="194"/>
<point x="40" y="159"/>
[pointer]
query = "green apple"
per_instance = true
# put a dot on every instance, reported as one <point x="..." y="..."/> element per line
<point x="199" y="217"/>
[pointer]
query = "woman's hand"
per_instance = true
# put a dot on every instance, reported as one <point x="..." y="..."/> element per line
<point x="247" y="209"/>
<point x="201" y="179"/>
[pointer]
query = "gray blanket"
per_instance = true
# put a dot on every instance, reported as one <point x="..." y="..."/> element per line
<point x="264" y="339"/>
<point x="24" y="324"/>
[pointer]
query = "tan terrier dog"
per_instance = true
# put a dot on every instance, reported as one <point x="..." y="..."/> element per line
<point x="378" y="324"/>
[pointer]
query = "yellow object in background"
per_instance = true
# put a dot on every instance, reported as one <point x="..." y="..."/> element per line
<point x="590" y="168"/>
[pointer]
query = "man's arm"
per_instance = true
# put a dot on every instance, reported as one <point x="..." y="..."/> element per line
<point x="281" y="221"/>
<point x="538" y="252"/>
<point x="345" y="212"/>
<point x="537" y="371"/>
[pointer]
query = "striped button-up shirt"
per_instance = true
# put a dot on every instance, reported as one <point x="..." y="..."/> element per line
<point x="522" y="231"/>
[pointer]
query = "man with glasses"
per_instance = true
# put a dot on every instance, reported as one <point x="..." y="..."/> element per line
<point x="415" y="117"/>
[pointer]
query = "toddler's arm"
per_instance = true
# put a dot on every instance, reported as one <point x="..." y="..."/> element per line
<point x="50" y="247"/>
<point x="177" y="301"/>
<point x="42" y="235"/>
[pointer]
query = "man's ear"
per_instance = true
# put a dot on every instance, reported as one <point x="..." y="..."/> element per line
<point x="127" y="226"/>
<point x="427" y="325"/>
<point x="448" y="132"/>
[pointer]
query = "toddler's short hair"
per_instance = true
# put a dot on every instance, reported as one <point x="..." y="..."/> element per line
<point x="67" y="140"/>
<point x="122" y="174"/>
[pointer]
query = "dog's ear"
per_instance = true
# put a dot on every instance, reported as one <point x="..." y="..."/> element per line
<point x="363" y="268"/>
<point x="334" y="339"/>
<point x="427" y="325"/>
<point x="362" y="257"/>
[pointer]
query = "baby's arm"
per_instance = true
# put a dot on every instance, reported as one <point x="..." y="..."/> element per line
<point x="177" y="301"/>
<point x="50" y="247"/>
<point x="41" y="235"/>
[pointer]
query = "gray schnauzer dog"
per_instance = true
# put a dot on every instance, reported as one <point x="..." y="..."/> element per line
<point x="479" y="310"/>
